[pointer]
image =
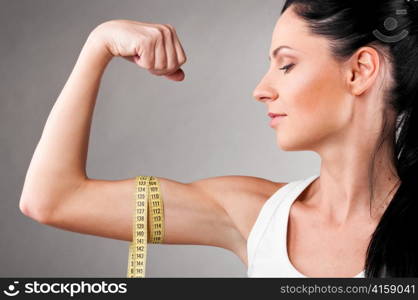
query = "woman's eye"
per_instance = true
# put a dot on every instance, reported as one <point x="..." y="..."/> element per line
<point x="287" y="67"/>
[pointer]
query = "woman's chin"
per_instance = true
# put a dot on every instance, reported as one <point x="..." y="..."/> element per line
<point x="288" y="145"/>
<point x="284" y="146"/>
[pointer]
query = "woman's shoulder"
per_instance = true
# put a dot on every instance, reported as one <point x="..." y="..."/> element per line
<point x="249" y="204"/>
<point x="246" y="197"/>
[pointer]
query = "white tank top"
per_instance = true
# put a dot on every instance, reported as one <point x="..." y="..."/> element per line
<point x="267" y="241"/>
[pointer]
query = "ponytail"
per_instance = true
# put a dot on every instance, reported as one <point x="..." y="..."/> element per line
<point x="393" y="250"/>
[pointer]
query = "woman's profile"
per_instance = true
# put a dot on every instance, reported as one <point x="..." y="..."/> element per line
<point x="342" y="82"/>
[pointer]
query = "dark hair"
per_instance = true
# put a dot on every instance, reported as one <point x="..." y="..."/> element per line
<point x="349" y="25"/>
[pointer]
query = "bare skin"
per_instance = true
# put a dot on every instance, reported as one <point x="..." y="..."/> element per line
<point x="216" y="211"/>
<point x="332" y="109"/>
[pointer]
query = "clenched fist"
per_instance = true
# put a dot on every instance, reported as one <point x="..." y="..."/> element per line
<point x="154" y="47"/>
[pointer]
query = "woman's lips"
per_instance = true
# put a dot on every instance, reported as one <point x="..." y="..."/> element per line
<point x="276" y="120"/>
<point x="272" y="115"/>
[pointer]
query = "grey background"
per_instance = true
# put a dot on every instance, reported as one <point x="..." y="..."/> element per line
<point x="208" y="125"/>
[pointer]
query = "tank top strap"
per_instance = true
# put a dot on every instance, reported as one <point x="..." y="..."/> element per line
<point x="271" y="222"/>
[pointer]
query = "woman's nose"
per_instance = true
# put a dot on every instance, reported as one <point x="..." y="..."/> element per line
<point x="264" y="93"/>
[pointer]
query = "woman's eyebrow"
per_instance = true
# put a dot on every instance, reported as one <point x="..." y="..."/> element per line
<point x="277" y="50"/>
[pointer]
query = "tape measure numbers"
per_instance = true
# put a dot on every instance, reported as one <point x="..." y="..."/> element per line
<point x="148" y="223"/>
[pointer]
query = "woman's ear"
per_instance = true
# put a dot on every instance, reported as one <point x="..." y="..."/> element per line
<point x="363" y="68"/>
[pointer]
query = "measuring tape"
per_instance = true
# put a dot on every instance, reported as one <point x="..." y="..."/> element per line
<point x="148" y="210"/>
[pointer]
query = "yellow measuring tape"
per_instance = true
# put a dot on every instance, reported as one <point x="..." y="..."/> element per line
<point x="148" y="223"/>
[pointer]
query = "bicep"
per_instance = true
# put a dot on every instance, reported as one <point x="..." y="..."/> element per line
<point x="193" y="213"/>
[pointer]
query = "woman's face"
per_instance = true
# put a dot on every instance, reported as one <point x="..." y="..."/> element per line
<point x="311" y="92"/>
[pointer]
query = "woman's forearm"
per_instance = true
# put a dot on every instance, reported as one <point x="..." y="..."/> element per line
<point x="58" y="165"/>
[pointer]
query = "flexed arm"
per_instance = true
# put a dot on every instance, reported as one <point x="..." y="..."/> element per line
<point x="58" y="166"/>
<point x="217" y="211"/>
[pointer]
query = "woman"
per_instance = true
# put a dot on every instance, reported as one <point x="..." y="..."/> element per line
<point x="345" y="90"/>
